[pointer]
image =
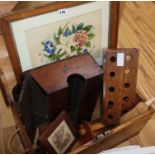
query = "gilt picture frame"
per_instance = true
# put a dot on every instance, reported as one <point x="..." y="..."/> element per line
<point x="59" y="30"/>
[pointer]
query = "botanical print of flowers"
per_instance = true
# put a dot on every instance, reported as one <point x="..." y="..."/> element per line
<point x="68" y="41"/>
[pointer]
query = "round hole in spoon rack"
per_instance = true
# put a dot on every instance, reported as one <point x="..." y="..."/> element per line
<point x="112" y="74"/>
<point x="126" y="98"/>
<point x="110" y="116"/>
<point x="111" y="89"/>
<point x="126" y="85"/>
<point x="113" y="59"/>
<point x="110" y="104"/>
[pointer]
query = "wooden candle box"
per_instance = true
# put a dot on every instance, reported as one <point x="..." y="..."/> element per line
<point x="72" y="84"/>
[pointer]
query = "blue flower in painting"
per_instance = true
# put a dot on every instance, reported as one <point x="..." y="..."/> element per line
<point x="67" y="33"/>
<point x="49" y="48"/>
<point x="85" y="50"/>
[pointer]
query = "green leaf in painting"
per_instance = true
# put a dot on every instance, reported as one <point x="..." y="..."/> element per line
<point x="73" y="29"/>
<point x="79" y="27"/>
<point x="72" y="48"/>
<point x="51" y="56"/>
<point x="60" y="55"/>
<point x="45" y="55"/>
<point x="42" y="43"/>
<point x="91" y="36"/>
<point x="69" y="31"/>
<point x="88" y="28"/>
<point x="88" y="44"/>
<point x="66" y="30"/>
<point x="57" y="40"/>
<point x="60" y="31"/>
<point x="78" y="50"/>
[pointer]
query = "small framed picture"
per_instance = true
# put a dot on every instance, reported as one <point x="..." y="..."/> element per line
<point x="58" y="30"/>
<point x="60" y="135"/>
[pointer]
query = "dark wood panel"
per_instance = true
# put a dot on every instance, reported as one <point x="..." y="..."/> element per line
<point x="57" y="73"/>
<point x="46" y="91"/>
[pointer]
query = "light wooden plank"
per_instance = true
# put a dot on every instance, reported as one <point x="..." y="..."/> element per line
<point x="119" y="134"/>
<point x="137" y="29"/>
<point x="2" y="148"/>
<point x="16" y="144"/>
<point x="6" y="114"/>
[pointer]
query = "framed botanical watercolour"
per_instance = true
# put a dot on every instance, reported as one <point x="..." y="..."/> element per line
<point x="59" y="30"/>
<point x="60" y="135"/>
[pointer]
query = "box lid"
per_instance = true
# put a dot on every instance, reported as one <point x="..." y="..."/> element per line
<point x="53" y="77"/>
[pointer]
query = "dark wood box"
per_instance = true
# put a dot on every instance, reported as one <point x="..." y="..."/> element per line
<point x="72" y="84"/>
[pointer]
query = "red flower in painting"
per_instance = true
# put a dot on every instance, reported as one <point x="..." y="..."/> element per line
<point x="80" y="38"/>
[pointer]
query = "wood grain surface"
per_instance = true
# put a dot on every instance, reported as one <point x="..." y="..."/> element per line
<point x="60" y="71"/>
<point x="119" y="83"/>
<point x="5" y="8"/>
<point x="136" y="29"/>
<point x="126" y="129"/>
